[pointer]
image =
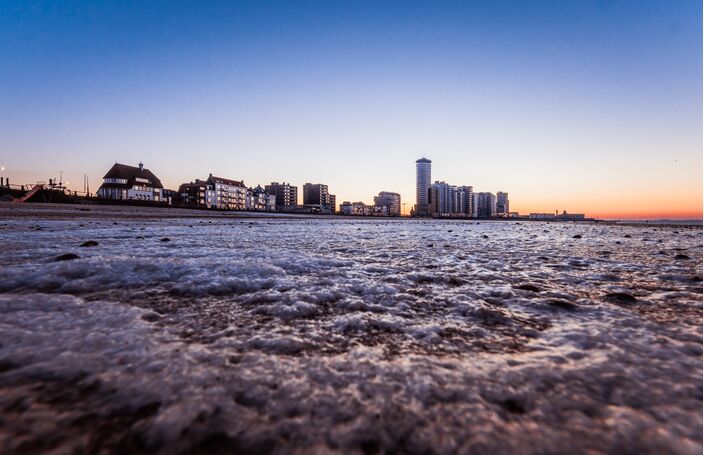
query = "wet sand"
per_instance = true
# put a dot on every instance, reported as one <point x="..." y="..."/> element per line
<point x="183" y="331"/>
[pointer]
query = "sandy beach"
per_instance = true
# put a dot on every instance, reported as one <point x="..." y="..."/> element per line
<point x="147" y="330"/>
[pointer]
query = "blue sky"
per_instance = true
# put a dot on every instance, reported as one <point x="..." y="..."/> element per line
<point x="589" y="106"/>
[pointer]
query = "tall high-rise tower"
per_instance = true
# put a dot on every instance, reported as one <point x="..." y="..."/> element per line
<point x="422" y="186"/>
<point x="502" y="203"/>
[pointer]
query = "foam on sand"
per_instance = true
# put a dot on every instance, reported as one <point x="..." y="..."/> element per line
<point x="329" y="335"/>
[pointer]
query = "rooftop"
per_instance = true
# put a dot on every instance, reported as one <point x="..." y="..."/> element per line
<point x="130" y="173"/>
<point x="224" y="181"/>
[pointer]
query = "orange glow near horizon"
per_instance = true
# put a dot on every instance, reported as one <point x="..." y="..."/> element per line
<point x="681" y="200"/>
<point x="621" y="215"/>
<point x="632" y="215"/>
<point x="617" y="211"/>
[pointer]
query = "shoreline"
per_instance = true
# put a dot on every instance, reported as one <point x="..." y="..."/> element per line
<point x="69" y="211"/>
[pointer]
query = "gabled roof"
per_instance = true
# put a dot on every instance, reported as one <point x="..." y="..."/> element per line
<point x="213" y="180"/>
<point x="259" y="190"/>
<point x="198" y="184"/>
<point x="130" y="173"/>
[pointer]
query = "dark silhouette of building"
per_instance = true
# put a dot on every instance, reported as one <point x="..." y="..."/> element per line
<point x="198" y="194"/>
<point x="392" y="202"/>
<point x="484" y="205"/>
<point x="502" y="208"/>
<point x="285" y="193"/>
<point x="318" y="195"/>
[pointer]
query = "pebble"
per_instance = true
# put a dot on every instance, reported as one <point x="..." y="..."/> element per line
<point x="620" y="297"/>
<point x="151" y="316"/>
<point x="529" y="287"/>
<point x="562" y="304"/>
<point x="66" y="257"/>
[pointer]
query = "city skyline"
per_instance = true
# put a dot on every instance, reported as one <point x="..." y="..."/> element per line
<point x="594" y="108"/>
<point x="406" y="208"/>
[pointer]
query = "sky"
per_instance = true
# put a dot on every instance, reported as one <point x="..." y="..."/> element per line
<point x="584" y="106"/>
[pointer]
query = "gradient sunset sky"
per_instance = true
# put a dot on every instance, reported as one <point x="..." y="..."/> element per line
<point x="588" y="106"/>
